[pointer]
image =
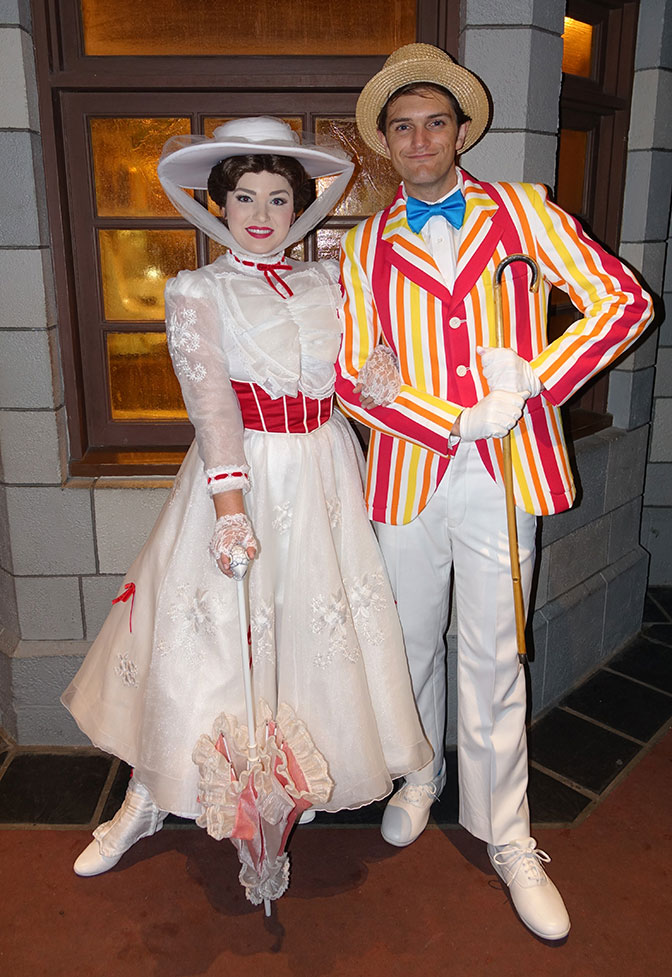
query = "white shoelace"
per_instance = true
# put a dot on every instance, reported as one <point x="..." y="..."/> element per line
<point x="526" y="860"/>
<point x="418" y="794"/>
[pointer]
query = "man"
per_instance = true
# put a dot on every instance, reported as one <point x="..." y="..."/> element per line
<point x="418" y="278"/>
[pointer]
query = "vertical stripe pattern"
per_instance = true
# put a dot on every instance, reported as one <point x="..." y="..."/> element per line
<point x="394" y="293"/>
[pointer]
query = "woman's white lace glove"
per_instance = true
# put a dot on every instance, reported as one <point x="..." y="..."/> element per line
<point x="231" y="530"/>
<point x="379" y="380"/>
<point x="493" y="416"/>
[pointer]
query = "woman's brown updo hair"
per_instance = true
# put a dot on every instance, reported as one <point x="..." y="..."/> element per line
<point x="224" y="176"/>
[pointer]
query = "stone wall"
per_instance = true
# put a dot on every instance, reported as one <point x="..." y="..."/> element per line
<point x="515" y="47"/>
<point x="64" y="543"/>
<point x="650" y="149"/>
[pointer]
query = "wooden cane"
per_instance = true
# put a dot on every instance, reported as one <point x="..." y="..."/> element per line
<point x="518" y="602"/>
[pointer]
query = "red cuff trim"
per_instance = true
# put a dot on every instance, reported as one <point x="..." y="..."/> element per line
<point x="216" y="478"/>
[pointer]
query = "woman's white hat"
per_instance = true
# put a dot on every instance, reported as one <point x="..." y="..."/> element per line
<point x="186" y="162"/>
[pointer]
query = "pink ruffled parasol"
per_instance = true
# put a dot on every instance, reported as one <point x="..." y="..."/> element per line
<point x="256" y="780"/>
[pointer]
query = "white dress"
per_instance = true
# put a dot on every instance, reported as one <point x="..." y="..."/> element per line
<point x="325" y="633"/>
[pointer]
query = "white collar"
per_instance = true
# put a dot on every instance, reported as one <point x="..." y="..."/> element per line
<point x="458" y="186"/>
<point x="247" y="258"/>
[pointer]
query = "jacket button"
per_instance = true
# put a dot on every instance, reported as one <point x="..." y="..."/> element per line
<point x="455" y="322"/>
<point x="462" y="370"/>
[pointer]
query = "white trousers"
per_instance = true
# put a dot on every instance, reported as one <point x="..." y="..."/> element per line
<point x="463" y="527"/>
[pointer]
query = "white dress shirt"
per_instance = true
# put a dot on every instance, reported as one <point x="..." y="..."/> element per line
<point x="442" y="240"/>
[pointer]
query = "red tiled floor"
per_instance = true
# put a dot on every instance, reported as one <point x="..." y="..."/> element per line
<point x="356" y="907"/>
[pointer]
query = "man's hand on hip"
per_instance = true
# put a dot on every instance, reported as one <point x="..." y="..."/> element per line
<point x="491" y="417"/>
<point x="504" y="369"/>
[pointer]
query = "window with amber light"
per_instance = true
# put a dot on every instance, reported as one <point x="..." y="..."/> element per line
<point x="265" y="27"/>
<point x="118" y="79"/>
<point x="130" y="240"/>
<point x="598" y="56"/>
<point x="577" y="53"/>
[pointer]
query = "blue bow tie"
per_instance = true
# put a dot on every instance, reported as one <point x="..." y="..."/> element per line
<point x="452" y="208"/>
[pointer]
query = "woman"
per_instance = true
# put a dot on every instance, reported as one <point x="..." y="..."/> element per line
<point x="253" y="338"/>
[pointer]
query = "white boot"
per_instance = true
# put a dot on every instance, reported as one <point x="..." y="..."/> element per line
<point x="138" y="817"/>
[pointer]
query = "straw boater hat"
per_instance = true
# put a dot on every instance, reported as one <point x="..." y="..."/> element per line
<point x="418" y="63"/>
<point x="186" y="162"/>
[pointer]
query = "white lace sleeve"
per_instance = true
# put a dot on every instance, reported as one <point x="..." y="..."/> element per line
<point x="194" y="341"/>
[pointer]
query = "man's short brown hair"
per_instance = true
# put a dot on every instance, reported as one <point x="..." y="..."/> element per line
<point x="420" y="88"/>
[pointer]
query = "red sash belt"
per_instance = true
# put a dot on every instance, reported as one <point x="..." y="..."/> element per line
<point x="288" y="415"/>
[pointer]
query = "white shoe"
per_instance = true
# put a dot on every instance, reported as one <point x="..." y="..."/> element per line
<point x="536" y="900"/>
<point x="306" y="817"/>
<point x="407" y="813"/>
<point x="138" y="817"/>
<point x="93" y="862"/>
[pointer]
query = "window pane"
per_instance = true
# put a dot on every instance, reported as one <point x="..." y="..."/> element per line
<point x="125" y="156"/>
<point x="572" y="150"/>
<point x="578" y="47"/>
<point x="143" y="386"/>
<point x="375" y="181"/>
<point x="329" y="242"/>
<point x="162" y="27"/>
<point x="135" y="265"/>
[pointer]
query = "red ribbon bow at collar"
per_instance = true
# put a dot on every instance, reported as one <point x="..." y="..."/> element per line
<point x="128" y="593"/>
<point x="271" y="275"/>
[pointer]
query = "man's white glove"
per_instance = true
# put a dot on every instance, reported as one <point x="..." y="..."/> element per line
<point x="491" y="417"/>
<point x="504" y="369"/>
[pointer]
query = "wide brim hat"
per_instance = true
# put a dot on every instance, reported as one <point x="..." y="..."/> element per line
<point x="186" y="162"/>
<point x="416" y="63"/>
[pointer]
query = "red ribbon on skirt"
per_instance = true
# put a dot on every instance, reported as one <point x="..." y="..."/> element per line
<point x="127" y="594"/>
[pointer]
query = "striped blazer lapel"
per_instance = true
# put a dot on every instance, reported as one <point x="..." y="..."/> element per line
<point x="406" y="251"/>
<point x="481" y="232"/>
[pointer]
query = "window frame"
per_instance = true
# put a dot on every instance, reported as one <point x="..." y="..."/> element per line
<point x="600" y="105"/>
<point x="63" y="68"/>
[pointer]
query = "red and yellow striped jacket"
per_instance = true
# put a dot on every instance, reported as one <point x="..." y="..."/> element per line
<point x="396" y="294"/>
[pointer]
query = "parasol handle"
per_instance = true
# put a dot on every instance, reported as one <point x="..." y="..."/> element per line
<point x="239" y="565"/>
<point x="240" y="562"/>
<point x="507" y="463"/>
